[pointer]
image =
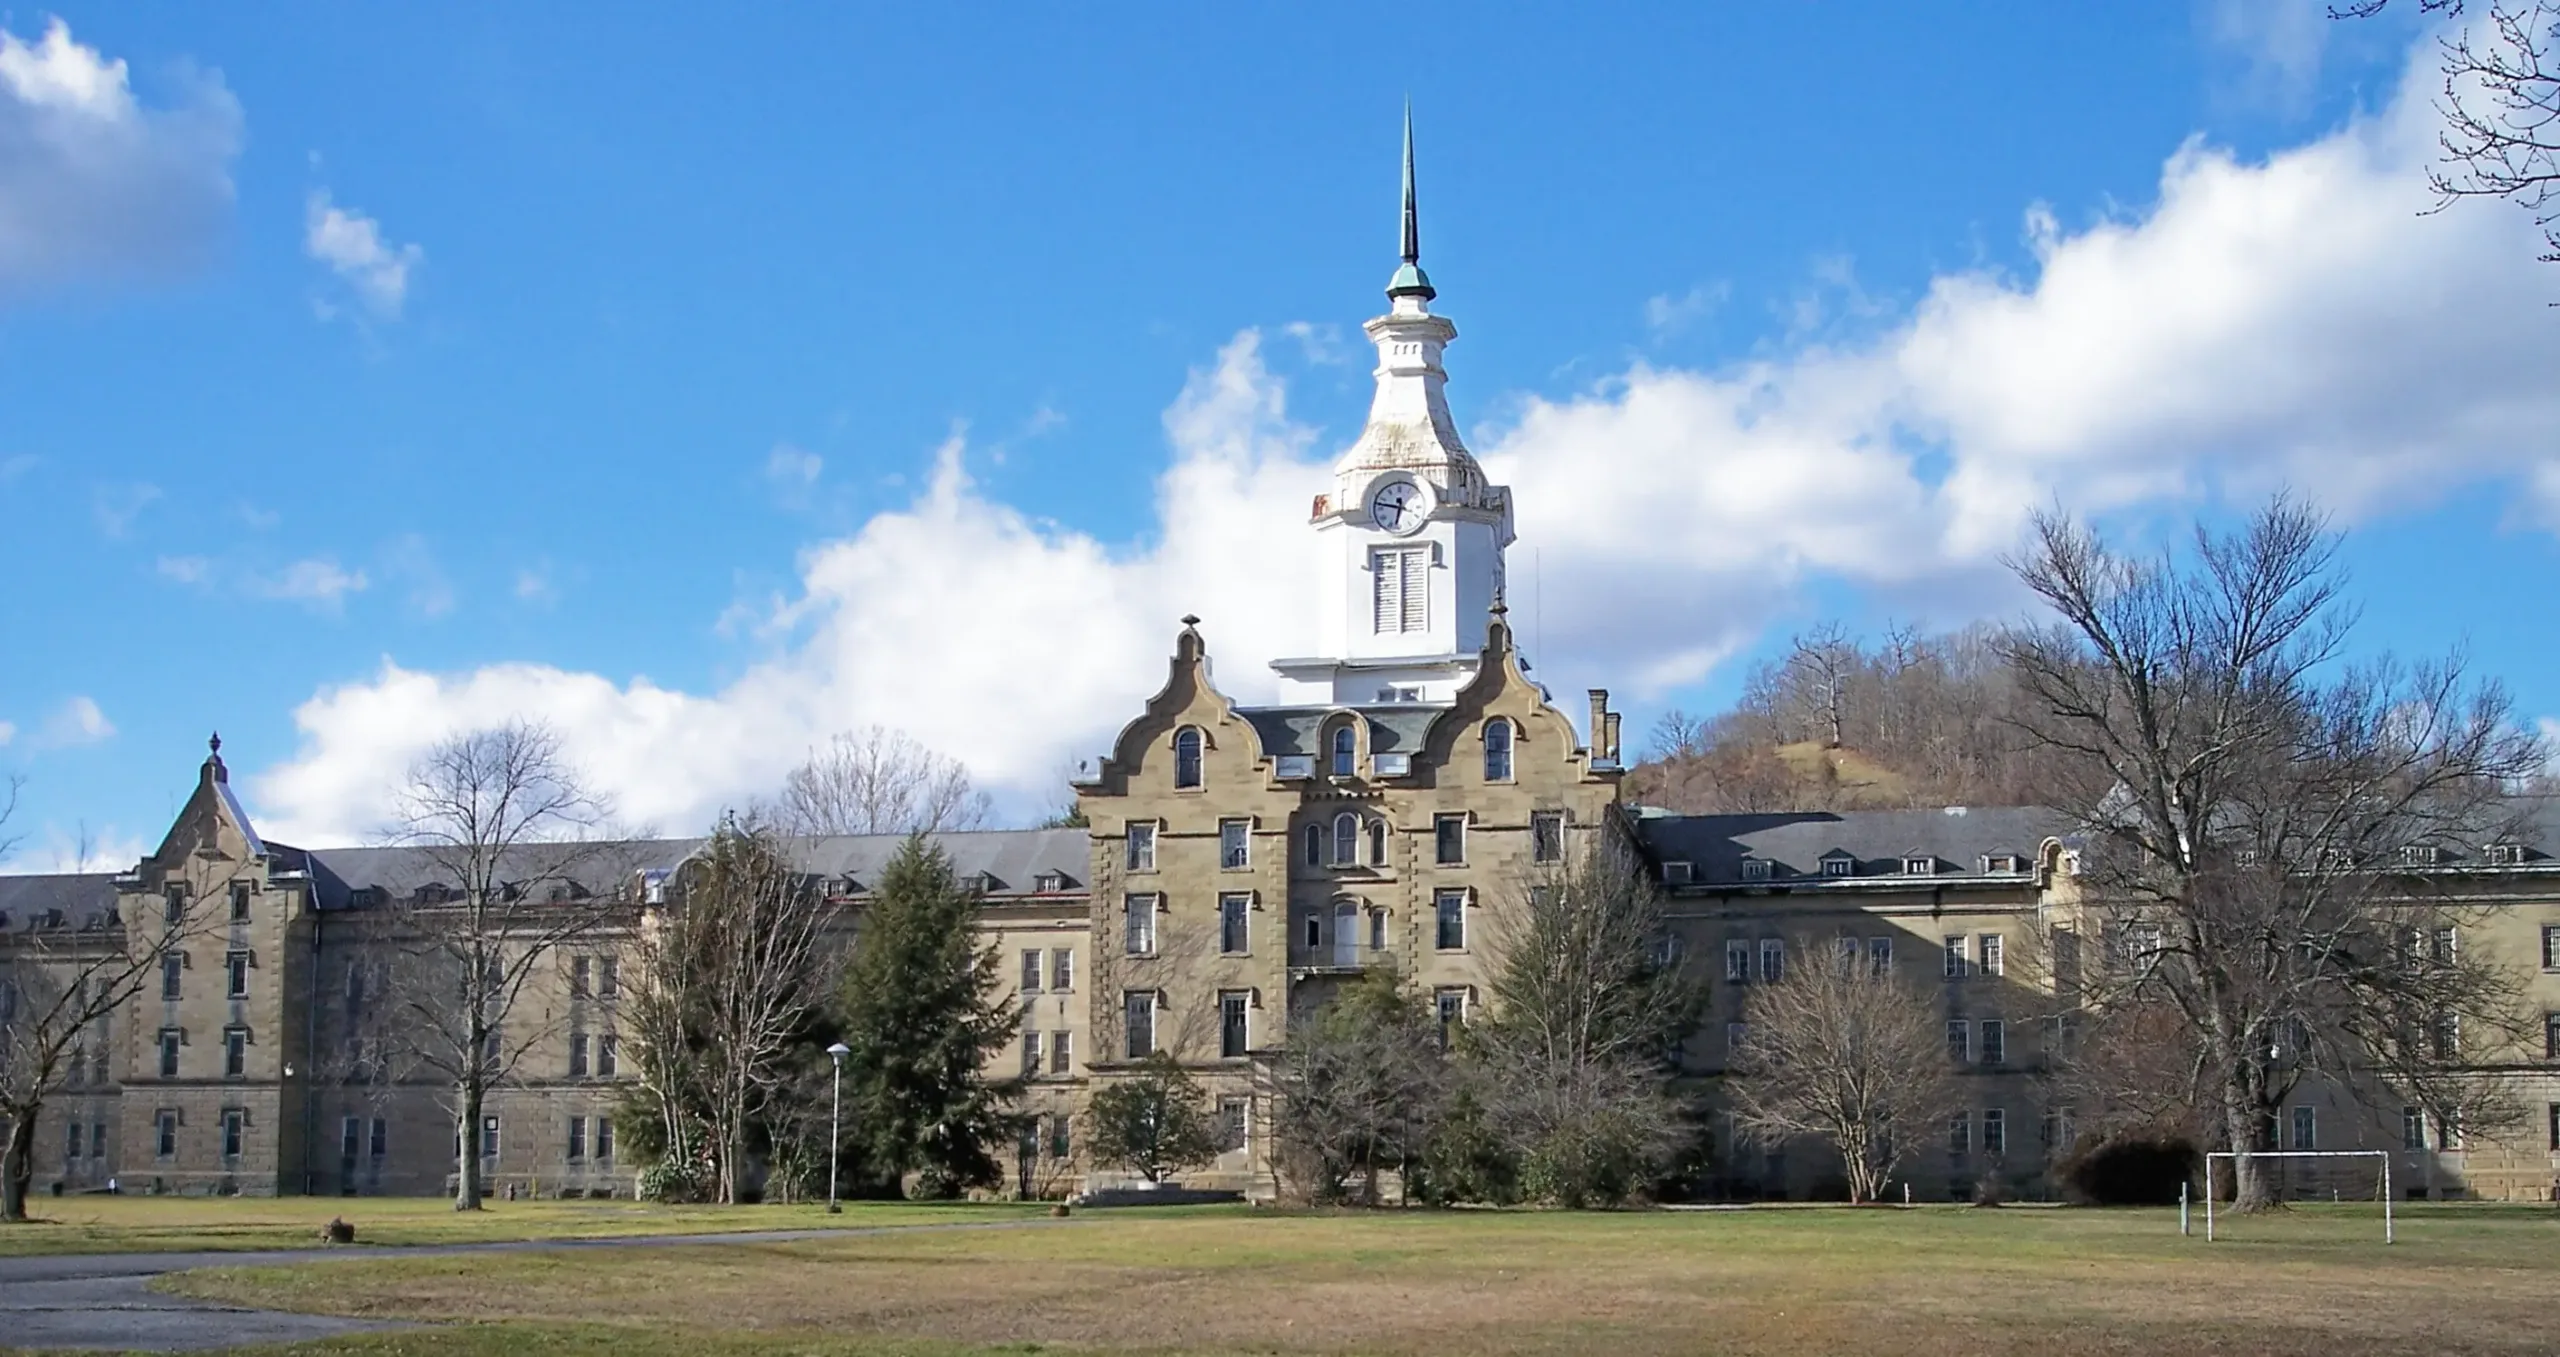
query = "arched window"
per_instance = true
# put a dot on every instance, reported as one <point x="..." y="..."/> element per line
<point x="1344" y="748"/>
<point x="1377" y="843"/>
<point x="1346" y="839"/>
<point x="1497" y="750"/>
<point x="1186" y="757"/>
<point x="1315" y="845"/>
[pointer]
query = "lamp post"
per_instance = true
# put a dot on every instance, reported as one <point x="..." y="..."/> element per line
<point x="835" y="1126"/>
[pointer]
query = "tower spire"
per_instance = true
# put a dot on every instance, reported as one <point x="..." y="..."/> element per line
<point x="1410" y="280"/>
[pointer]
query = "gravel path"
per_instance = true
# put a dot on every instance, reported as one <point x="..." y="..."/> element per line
<point x="105" y="1300"/>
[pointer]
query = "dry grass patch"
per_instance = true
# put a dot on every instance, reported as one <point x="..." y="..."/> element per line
<point x="1773" y="1281"/>
<point x="104" y="1224"/>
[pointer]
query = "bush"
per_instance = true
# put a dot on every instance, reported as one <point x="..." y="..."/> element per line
<point x="670" y="1180"/>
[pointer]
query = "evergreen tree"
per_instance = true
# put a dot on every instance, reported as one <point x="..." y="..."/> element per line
<point x="923" y="1011"/>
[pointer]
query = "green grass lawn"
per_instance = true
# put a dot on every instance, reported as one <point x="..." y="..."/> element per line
<point x="154" y="1224"/>
<point x="2315" y="1281"/>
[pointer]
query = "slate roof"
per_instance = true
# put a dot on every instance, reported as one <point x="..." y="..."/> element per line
<point x="86" y="899"/>
<point x="1012" y="859"/>
<point x="1795" y="842"/>
<point x="1393" y="729"/>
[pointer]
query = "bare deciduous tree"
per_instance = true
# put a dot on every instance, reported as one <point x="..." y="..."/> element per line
<point x="2501" y="106"/>
<point x="731" y="978"/>
<point x="879" y="781"/>
<point x="1847" y="1054"/>
<point x="1587" y="1016"/>
<point x="2249" y="801"/>
<point x="1358" y="1089"/>
<point x="68" y="964"/>
<point x="506" y="834"/>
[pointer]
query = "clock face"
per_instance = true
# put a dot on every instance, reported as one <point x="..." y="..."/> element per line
<point x="1397" y="507"/>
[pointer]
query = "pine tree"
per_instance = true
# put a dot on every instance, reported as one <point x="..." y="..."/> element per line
<point x="923" y="1010"/>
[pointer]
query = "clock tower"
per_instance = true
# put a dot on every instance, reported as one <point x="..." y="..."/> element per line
<point x="1409" y="536"/>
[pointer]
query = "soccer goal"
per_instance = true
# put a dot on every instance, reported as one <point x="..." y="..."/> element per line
<point x="2379" y="1181"/>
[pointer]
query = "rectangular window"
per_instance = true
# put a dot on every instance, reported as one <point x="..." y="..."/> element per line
<point x="1960" y="1135"/>
<point x="1315" y="931"/>
<point x="1736" y="1034"/>
<point x="234" y="1127"/>
<point x="355" y="988"/>
<point x="169" y="1052"/>
<point x="1773" y="960"/>
<point x="1142" y="923"/>
<point x="1451" y="1007"/>
<point x="1995" y="1131"/>
<point x="71" y="1142"/>
<point x="608" y="977"/>
<point x="350" y="1138"/>
<point x="2442" y="946"/>
<point x="605" y="1056"/>
<point x="2555" y="1127"/>
<point x="1234" y="1037"/>
<point x="1031" y="1063"/>
<point x="2448" y="1033"/>
<point x="1235" y="845"/>
<point x="239" y="902"/>
<point x="1062" y="1136"/>
<point x="604" y="1138"/>
<point x="1141" y="855"/>
<point x="1234" y="1122"/>
<point x="1959" y="1041"/>
<point x="378" y="1138"/>
<point x="1062" y="969"/>
<point x="1062" y="1052"/>
<point x="1449" y="840"/>
<point x="1957" y="966"/>
<point x="1737" y="961"/>
<point x="2306" y="1128"/>
<point x="581" y="977"/>
<point x="2448" y="1131"/>
<point x="488" y="1137"/>
<point x="577" y="1138"/>
<point x="577" y="1055"/>
<point x="175" y="908"/>
<point x="1400" y="589"/>
<point x="2413" y="1129"/>
<point x="2551" y="1036"/>
<point x="167" y="1138"/>
<point x="1987" y="953"/>
<point x="235" y="1052"/>
<point x="173" y="970"/>
<point x="1449" y="911"/>
<point x="1995" y="1041"/>
<point x="1138" y="1012"/>
<point x="1879" y="957"/>
<point x="2551" y="947"/>
<point x="235" y="969"/>
<point x="1546" y="836"/>
<point x="1233" y="931"/>
<point x="1031" y="971"/>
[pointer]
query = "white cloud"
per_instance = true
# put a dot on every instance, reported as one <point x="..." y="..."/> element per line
<point x="353" y="247"/>
<point x="409" y="560"/>
<point x="2288" y="320"/>
<point x="77" y="721"/>
<point x="793" y="468"/>
<point x="1666" y="315"/>
<point x="117" y="506"/>
<point x="95" y="184"/>
<point x="80" y="849"/>
<point x="319" y="581"/>
<point x="8" y="732"/>
<point x="535" y="586"/>
<point x="192" y="570"/>
<point x="2281" y="41"/>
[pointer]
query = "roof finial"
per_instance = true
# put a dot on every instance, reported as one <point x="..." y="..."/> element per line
<point x="1410" y="280"/>
<point x="215" y="744"/>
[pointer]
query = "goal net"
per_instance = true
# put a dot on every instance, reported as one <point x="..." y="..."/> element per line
<point x="2307" y="1176"/>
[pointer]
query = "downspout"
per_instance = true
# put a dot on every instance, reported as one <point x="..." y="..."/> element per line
<point x="311" y="1032"/>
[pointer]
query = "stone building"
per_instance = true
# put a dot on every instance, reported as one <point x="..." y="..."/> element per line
<point x="1239" y="862"/>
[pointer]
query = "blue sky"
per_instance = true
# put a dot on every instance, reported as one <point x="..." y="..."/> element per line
<point x="706" y="384"/>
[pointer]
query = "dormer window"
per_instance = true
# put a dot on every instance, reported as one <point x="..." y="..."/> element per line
<point x="1755" y="869"/>
<point x="2003" y="864"/>
<point x="1346" y="751"/>
<point x="1838" y="862"/>
<point x="1186" y="757"/>
<point x="1919" y="864"/>
<point x="1497" y="750"/>
<point x="1678" y="873"/>
<point x="2420" y="855"/>
<point x="2506" y="855"/>
<point x="1049" y="883"/>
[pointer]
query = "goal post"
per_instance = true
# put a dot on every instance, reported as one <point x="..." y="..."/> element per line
<point x="2382" y="1155"/>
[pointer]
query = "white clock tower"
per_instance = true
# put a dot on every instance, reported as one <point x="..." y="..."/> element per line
<point x="1410" y="537"/>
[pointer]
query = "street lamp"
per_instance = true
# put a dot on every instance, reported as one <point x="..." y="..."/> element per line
<point x="835" y="1127"/>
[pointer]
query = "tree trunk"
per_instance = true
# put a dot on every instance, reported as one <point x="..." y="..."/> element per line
<point x="466" y="1178"/>
<point x="18" y="1162"/>
<point x="2250" y="1190"/>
